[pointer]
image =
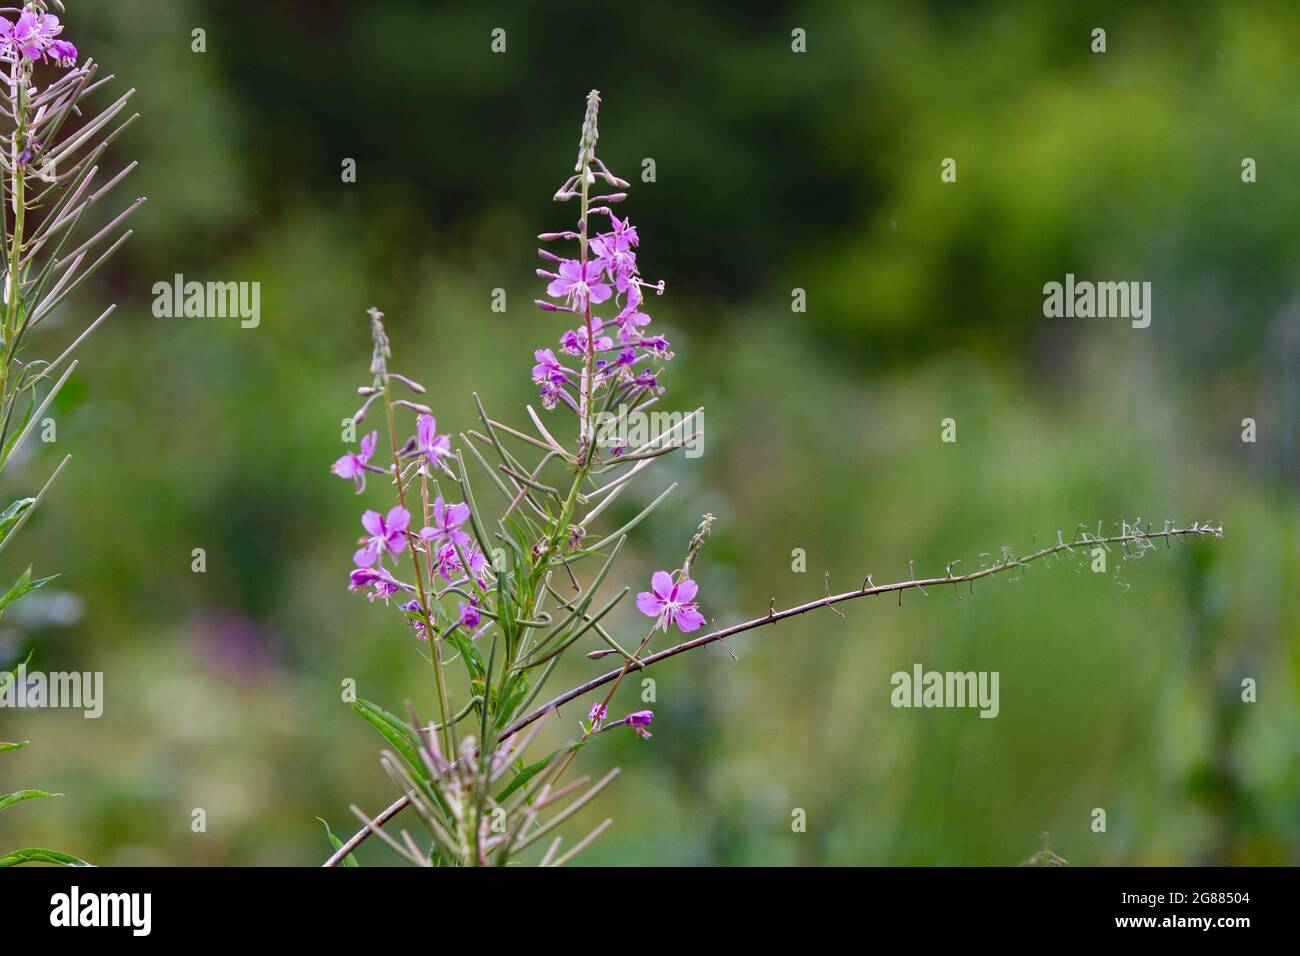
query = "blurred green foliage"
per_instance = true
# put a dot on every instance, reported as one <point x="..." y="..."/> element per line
<point x="774" y="171"/>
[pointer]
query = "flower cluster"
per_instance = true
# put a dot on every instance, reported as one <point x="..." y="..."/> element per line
<point x="441" y="550"/>
<point x="32" y="37"/>
<point x="618" y="353"/>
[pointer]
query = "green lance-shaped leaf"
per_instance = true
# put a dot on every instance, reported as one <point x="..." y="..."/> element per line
<point x="27" y="512"/>
<point x="393" y="729"/>
<point x="22" y="586"/>
<point x="34" y="855"/>
<point x="531" y="771"/>
<point x="19" y="796"/>
<point x="7" y="676"/>
<point x="9" y="517"/>
<point x="6" y="745"/>
<point x="335" y="842"/>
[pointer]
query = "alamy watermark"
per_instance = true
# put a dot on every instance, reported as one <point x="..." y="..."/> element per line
<point x="1102" y="300"/>
<point x="209" y="300"/>
<point x="71" y="690"/>
<point x="133" y="911"/>
<point x="922" y="688"/>
<point x="629" y="431"/>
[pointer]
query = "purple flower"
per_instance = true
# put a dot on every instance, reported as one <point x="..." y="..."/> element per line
<point x="47" y="27"/>
<point x="19" y="39"/>
<point x="384" y="583"/>
<point x="623" y="232"/>
<point x="657" y="346"/>
<point x="62" y="53"/>
<point x="548" y="368"/>
<point x="32" y="35"/>
<point x="28" y="151"/>
<point x="631" y="318"/>
<point x="550" y="375"/>
<point x="617" y="259"/>
<point x="671" y="603"/>
<point x="413" y="607"/>
<point x="639" y="721"/>
<point x="353" y="464"/>
<point x="574" y="341"/>
<point x="597" y="713"/>
<point x="429" y="442"/>
<point x="387" y="534"/>
<point x="447" y="520"/>
<point x="613" y="262"/>
<point x="552" y="392"/>
<point x="469" y="616"/>
<point x="579" y="283"/>
<point x="448" y="563"/>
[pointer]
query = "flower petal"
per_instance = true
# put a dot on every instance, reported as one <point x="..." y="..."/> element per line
<point x="661" y="582"/>
<point x="373" y="522"/>
<point x="398" y="520"/>
<point x="688" y="619"/>
<point x="648" y="604"/>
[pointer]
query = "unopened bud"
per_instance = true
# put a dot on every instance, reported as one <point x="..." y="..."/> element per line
<point x="414" y="406"/>
<point x="412" y="385"/>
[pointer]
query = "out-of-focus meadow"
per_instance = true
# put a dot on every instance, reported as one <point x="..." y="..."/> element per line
<point x="774" y="171"/>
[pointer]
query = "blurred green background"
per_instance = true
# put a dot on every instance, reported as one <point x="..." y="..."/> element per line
<point x="775" y="170"/>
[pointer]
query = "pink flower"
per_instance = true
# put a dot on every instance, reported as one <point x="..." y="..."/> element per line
<point x="62" y="53"/>
<point x="387" y="535"/>
<point x="639" y="721"/>
<point x="32" y="35"/>
<point x="448" y="563"/>
<point x="383" y="583"/>
<point x="579" y="283"/>
<point x="469" y="616"/>
<point x="671" y="603"/>
<point x="631" y="318"/>
<point x="447" y="520"/>
<point x="548" y="368"/>
<point x="623" y="232"/>
<point x="412" y="607"/>
<point x="574" y="341"/>
<point x="47" y="27"/>
<point x="429" y="442"/>
<point x="617" y="259"/>
<point x="354" y="465"/>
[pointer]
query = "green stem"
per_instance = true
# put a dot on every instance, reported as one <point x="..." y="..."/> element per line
<point x="435" y="657"/>
<point x="15" y="250"/>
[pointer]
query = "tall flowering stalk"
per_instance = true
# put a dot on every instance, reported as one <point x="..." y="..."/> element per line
<point x="50" y="149"/>
<point x="504" y="598"/>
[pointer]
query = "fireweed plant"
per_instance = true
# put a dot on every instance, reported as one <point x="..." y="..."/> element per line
<point x="49" y="160"/>
<point x="501" y="599"/>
